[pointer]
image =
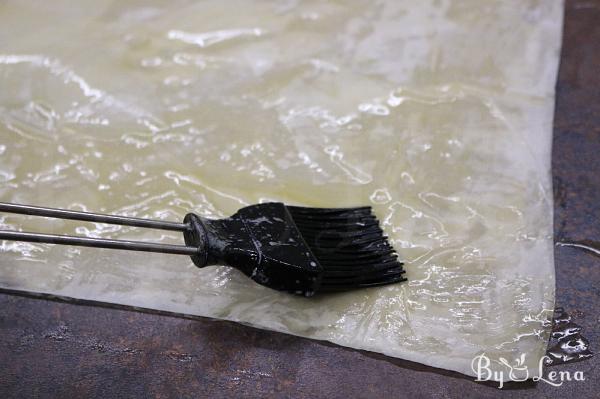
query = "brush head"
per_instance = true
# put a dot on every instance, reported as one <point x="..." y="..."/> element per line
<point x="350" y="247"/>
<point x="298" y="249"/>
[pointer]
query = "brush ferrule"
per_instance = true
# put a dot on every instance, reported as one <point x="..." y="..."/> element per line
<point x="197" y="236"/>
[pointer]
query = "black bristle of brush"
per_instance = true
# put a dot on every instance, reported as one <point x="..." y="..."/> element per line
<point x="298" y="249"/>
<point x="350" y="246"/>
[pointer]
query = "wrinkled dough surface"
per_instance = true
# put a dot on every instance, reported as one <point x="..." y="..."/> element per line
<point x="437" y="113"/>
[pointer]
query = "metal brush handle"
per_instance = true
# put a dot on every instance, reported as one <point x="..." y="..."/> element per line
<point x="95" y="242"/>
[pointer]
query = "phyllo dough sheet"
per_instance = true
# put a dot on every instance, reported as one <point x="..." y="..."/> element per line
<point x="436" y="113"/>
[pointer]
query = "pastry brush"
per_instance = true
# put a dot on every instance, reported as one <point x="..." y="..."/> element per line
<point x="288" y="248"/>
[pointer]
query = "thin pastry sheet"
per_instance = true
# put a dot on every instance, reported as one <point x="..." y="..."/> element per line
<point x="437" y="113"/>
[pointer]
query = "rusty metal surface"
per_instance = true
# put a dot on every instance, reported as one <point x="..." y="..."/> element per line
<point x="63" y="350"/>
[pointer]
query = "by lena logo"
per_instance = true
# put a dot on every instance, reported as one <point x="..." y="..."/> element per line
<point x="519" y="372"/>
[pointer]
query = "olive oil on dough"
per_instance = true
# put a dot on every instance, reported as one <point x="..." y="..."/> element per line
<point x="437" y="113"/>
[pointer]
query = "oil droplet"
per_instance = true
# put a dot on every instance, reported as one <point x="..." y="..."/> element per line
<point x="566" y="343"/>
<point x="380" y="196"/>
